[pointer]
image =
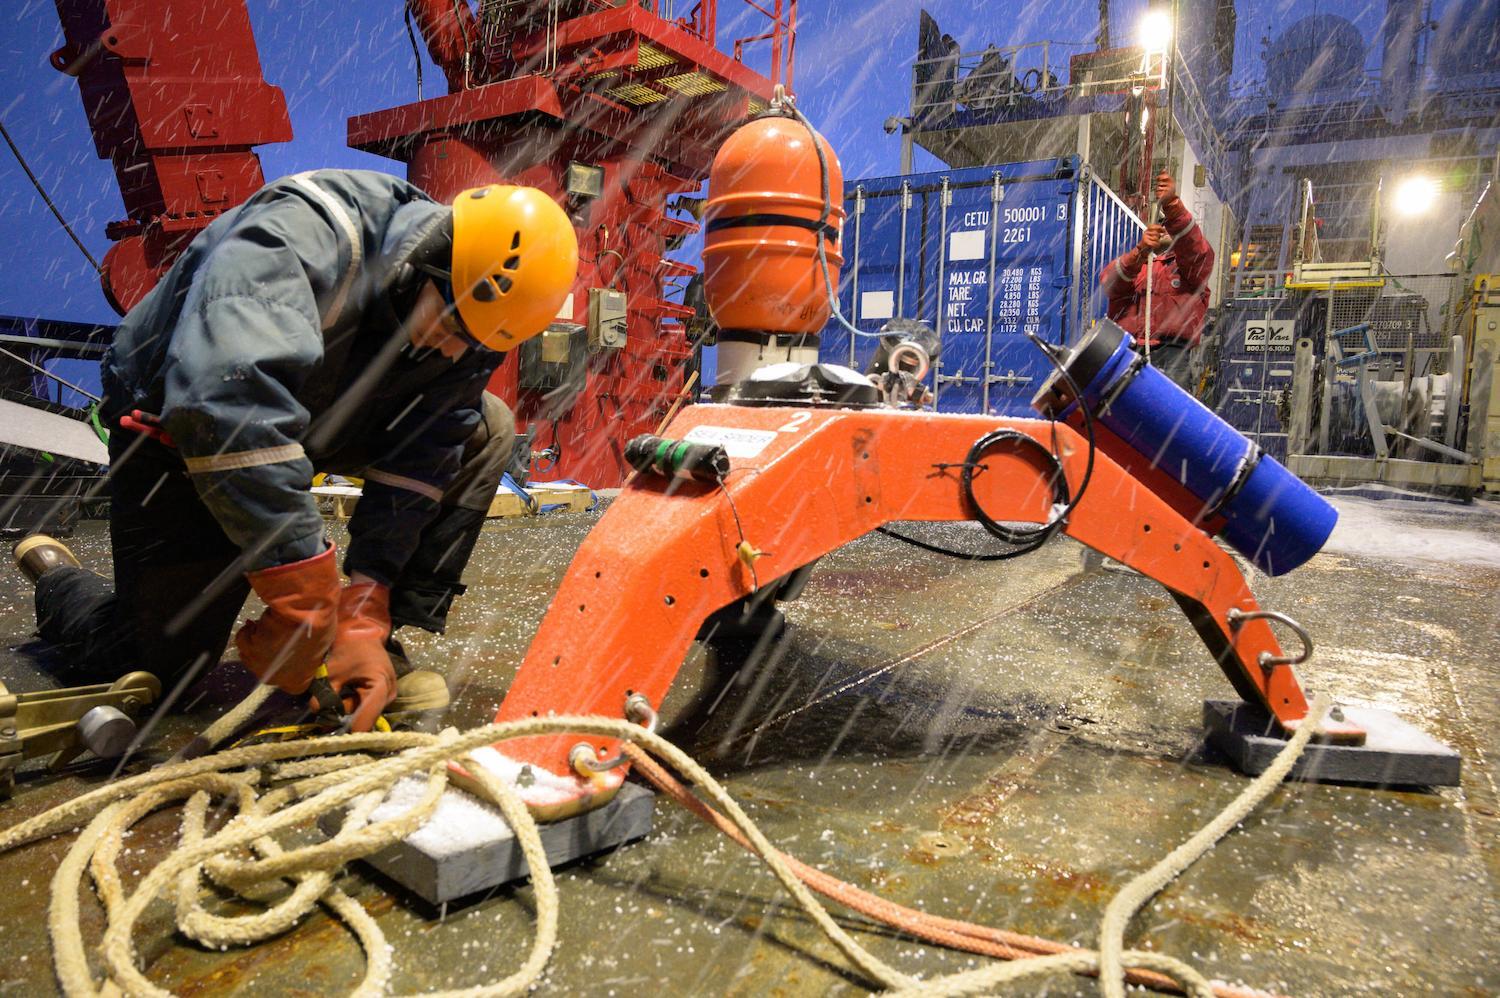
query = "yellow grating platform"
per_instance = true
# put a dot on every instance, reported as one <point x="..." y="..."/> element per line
<point x="636" y="94"/>
<point x="694" y="84"/>
<point x="650" y="57"/>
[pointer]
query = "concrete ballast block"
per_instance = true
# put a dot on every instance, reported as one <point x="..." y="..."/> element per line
<point x="467" y="846"/>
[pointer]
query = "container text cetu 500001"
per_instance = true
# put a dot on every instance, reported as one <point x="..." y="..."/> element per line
<point x="985" y="256"/>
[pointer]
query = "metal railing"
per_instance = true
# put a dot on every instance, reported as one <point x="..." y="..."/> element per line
<point x="999" y="78"/>
<point x="1190" y="111"/>
<point x="1110" y="229"/>
<point x="1023" y="78"/>
<point x="499" y="20"/>
<point x="782" y="36"/>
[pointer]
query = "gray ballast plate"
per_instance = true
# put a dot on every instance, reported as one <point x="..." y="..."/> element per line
<point x="467" y="847"/>
<point x="1395" y="753"/>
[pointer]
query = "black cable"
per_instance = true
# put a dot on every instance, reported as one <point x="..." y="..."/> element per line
<point x="1033" y="538"/>
<point x="1028" y="539"/>
<point x="619" y="271"/>
<point x="43" y="192"/>
<point x="416" y="53"/>
<point x="463" y="33"/>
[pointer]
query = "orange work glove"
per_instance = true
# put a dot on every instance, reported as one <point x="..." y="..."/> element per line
<point x="359" y="664"/>
<point x="285" y="646"/>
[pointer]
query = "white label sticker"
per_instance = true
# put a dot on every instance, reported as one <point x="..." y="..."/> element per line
<point x="736" y="443"/>
<point x="566" y="312"/>
<point x="966" y="245"/>
<point x="877" y="304"/>
<point x="1264" y="335"/>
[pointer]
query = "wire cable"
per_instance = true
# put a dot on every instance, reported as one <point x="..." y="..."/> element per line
<point x="1033" y="538"/>
<point x="46" y="373"/>
<point x="789" y="103"/>
<point x="416" y="53"/>
<point x="46" y="198"/>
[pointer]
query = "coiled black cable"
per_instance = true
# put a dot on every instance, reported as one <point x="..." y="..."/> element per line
<point x="1032" y="538"/>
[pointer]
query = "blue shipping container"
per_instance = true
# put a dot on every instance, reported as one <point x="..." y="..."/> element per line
<point x="985" y="255"/>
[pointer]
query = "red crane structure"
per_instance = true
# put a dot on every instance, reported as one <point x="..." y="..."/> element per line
<point x="612" y="107"/>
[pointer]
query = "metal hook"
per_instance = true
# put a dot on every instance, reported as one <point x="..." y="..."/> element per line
<point x="584" y="760"/>
<point x="1238" y="617"/>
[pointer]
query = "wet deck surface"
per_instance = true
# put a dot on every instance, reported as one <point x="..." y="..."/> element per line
<point x="1003" y="742"/>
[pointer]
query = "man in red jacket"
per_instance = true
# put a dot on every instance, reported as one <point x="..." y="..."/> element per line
<point x="1180" y="261"/>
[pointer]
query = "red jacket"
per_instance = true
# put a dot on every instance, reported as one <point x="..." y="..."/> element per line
<point x="1179" y="283"/>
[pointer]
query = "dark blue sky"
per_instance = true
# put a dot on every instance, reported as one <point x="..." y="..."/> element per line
<point x="333" y="60"/>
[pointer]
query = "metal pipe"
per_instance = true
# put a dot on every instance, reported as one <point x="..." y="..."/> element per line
<point x="446" y="26"/>
<point x="901" y="260"/>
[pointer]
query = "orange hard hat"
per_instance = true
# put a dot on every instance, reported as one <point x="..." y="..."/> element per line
<point x="515" y="257"/>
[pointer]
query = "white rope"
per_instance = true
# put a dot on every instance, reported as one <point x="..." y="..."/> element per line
<point x="274" y="788"/>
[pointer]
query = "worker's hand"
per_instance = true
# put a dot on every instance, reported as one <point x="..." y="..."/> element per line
<point x="1166" y="188"/>
<point x="359" y="667"/>
<point x="287" y="643"/>
<point x="1154" y="239"/>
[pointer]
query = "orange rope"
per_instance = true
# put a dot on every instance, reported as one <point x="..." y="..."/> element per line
<point x="952" y="933"/>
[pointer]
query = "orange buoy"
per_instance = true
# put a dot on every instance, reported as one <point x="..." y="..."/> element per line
<point x="760" y="258"/>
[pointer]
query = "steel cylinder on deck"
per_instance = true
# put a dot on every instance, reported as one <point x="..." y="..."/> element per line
<point x="765" y="202"/>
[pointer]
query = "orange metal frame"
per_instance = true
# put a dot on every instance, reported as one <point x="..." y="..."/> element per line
<point x="805" y="482"/>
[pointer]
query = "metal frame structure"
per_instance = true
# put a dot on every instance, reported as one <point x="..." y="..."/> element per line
<point x="175" y="98"/>
<point x="176" y="101"/>
<point x="1348" y="350"/>
<point x="802" y="483"/>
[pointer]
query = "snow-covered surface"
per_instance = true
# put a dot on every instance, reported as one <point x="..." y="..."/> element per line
<point x="543" y="788"/>
<point x="1416" y="530"/>
<point x="462" y="821"/>
<point x="38" y="429"/>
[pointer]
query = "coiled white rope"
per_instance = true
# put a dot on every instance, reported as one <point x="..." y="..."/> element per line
<point x="276" y="787"/>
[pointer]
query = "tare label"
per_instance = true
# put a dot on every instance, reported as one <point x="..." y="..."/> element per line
<point x="736" y="442"/>
<point x="1266" y="335"/>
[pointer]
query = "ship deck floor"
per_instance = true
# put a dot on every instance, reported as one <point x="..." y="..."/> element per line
<point x="1006" y="742"/>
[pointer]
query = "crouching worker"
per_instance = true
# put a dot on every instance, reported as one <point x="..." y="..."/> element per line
<point x="1180" y="261"/>
<point x="337" y="321"/>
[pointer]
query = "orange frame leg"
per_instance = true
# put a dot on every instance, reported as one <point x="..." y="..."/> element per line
<point x="806" y="482"/>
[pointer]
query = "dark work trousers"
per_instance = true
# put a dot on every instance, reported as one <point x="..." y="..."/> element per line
<point x="1175" y="360"/>
<point x="179" y="582"/>
<point x="425" y="591"/>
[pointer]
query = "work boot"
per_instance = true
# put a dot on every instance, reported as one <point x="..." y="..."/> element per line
<point x="38" y="554"/>
<point x="417" y="690"/>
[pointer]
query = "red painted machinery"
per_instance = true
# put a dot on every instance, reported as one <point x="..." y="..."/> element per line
<point x="175" y="99"/>
<point x="613" y="108"/>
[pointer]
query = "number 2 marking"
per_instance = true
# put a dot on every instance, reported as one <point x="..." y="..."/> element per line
<point x="795" y="423"/>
